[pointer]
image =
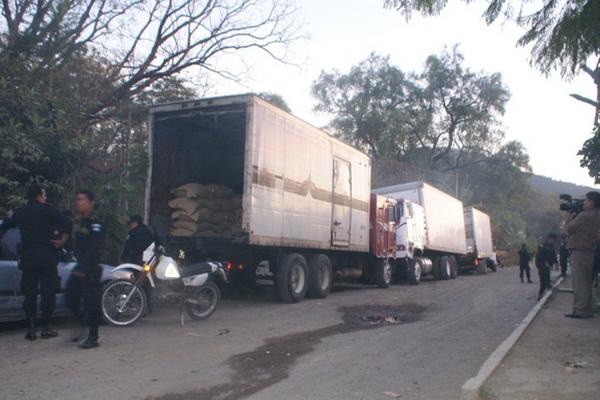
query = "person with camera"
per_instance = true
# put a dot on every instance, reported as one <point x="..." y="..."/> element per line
<point x="582" y="229"/>
<point x="545" y="259"/>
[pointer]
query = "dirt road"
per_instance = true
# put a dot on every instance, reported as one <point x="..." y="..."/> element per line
<point x="421" y="342"/>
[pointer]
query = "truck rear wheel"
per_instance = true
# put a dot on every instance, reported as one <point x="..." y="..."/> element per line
<point x="415" y="269"/>
<point x="383" y="273"/>
<point x="454" y="266"/>
<point x="435" y="268"/>
<point x="445" y="268"/>
<point x="320" y="276"/>
<point x="291" y="279"/>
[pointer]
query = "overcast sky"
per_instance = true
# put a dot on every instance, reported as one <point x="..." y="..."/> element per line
<point x="540" y="113"/>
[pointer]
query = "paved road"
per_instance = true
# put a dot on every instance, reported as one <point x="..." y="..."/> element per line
<point x="421" y="342"/>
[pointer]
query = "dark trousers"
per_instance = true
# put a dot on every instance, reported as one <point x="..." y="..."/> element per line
<point x="89" y="290"/>
<point x="544" y="272"/>
<point x="564" y="262"/>
<point x="524" y="268"/>
<point x="39" y="273"/>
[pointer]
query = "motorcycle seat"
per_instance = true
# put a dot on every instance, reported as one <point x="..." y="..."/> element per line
<point x="195" y="269"/>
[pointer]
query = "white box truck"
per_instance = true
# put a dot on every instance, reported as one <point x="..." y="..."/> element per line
<point x="480" y="249"/>
<point x="307" y="213"/>
<point x="430" y="235"/>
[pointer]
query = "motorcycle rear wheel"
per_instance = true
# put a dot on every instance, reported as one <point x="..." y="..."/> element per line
<point x="113" y="297"/>
<point x="202" y="302"/>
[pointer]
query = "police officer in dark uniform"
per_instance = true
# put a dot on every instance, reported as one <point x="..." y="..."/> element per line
<point x="545" y="258"/>
<point x="39" y="256"/>
<point x="85" y="278"/>
<point x="524" y="258"/>
<point x="138" y="239"/>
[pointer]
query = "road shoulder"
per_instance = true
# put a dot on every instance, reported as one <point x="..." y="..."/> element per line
<point x="555" y="358"/>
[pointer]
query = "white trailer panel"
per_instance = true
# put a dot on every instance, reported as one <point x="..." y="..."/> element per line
<point x="479" y="233"/>
<point x="445" y="229"/>
<point x="300" y="187"/>
<point x="307" y="189"/>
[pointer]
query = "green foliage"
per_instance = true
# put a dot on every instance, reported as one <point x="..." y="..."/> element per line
<point x="370" y="105"/>
<point x="275" y="99"/>
<point x="563" y="33"/>
<point x="440" y="119"/>
<point x="590" y="155"/>
<point x="76" y="78"/>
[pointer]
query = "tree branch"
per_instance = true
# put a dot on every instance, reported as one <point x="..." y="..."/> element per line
<point x="585" y="100"/>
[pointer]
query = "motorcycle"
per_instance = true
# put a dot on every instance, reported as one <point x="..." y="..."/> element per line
<point x="124" y="301"/>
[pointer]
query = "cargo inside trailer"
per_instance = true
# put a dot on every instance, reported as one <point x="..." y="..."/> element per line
<point x="197" y="146"/>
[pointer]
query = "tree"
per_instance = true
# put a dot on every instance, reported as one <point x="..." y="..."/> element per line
<point x="590" y="155"/>
<point x="595" y="75"/>
<point x="275" y="99"/>
<point x="370" y="105"/>
<point x="70" y="69"/>
<point x="465" y="108"/>
<point x="150" y="39"/>
<point x="439" y="119"/>
<point x="563" y="33"/>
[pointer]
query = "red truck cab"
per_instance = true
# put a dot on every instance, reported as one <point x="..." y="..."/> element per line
<point x="382" y="230"/>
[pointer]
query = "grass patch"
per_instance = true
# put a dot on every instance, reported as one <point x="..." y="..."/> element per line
<point x="486" y="394"/>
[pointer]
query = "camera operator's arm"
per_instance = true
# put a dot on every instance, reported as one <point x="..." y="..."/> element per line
<point x="572" y="223"/>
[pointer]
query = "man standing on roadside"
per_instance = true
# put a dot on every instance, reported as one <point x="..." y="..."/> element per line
<point x="545" y="258"/>
<point x="582" y="230"/>
<point x="84" y="282"/>
<point x="524" y="258"/>
<point x="38" y="256"/>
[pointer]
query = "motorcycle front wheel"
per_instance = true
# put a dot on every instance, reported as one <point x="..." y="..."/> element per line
<point x="123" y="303"/>
<point x="202" y="302"/>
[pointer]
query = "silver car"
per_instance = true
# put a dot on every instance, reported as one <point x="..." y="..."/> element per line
<point x="11" y="296"/>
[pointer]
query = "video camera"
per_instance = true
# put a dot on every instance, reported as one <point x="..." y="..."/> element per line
<point x="574" y="206"/>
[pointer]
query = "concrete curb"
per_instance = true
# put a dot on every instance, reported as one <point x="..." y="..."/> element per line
<point x="470" y="389"/>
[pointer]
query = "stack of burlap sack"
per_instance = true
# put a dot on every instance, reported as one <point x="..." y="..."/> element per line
<point x="205" y="210"/>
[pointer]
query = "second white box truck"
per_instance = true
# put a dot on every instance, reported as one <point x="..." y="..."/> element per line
<point x="430" y="237"/>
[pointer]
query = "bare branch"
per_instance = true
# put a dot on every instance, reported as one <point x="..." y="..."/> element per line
<point x="585" y="100"/>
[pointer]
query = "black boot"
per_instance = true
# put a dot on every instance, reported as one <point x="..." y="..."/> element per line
<point x="47" y="331"/>
<point x="30" y="334"/>
<point x="89" y="343"/>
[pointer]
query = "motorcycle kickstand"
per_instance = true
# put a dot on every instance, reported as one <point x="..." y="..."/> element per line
<point x="181" y="313"/>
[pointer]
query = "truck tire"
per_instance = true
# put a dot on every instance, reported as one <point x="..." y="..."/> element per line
<point x="454" y="266"/>
<point x="445" y="268"/>
<point x="383" y="273"/>
<point x="491" y="264"/>
<point x="320" y="276"/>
<point x="435" y="268"/>
<point x="291" y="278"/>
<point x="415" y="268"/>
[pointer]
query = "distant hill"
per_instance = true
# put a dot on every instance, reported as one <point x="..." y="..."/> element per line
<point x="549" y="185"/>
